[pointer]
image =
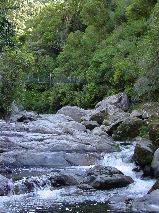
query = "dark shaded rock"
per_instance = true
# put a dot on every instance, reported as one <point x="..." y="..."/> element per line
<point x="4" y="186"/>
<point x="155" y="163"/>
<point x="116" y="181"/>
<point x="25" y="118"/>
<point x="137" y="114"/>
<point x="21" y="115"/>
<point x="143" y="153"/>
<point x="154" y="133"/>
<point x="90" y="124"/>
<point x="154" y="187"/>
<point x="5" y="170"/>
<point x="128" y="129"/>
<point x="63" y="180"/>
<point x="85" y="187"/>
<point x="103" y="178"/>
<point x="98" y="117"/>
<point x="147" y="171"/>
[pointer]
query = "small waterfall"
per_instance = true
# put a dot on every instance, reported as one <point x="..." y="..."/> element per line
<point x="123" y="161"/>
<point x="35" y="192"/>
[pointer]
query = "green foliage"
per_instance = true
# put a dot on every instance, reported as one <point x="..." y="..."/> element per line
<point x="110" y="46"/>
<point x="13" y="65"/>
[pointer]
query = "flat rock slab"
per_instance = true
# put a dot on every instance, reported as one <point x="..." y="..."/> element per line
<point x="47" y="159"/>
<point x="147" y="204"/>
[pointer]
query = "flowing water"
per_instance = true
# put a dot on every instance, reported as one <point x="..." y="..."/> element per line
<point x="44" y="198"/>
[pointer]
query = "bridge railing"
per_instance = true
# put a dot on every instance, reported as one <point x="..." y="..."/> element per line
<point x="52" y="80"/>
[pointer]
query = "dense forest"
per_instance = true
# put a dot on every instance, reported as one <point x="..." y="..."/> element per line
<point x="90" y="48"/>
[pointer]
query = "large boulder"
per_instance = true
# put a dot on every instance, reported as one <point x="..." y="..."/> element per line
<point x="104" y="178"/>
<point x="74" y="112"/>
<point x="120" y="101"/>
<point x="155" y="163"/>
<point x="128" y="129"/>
<point x="143" y="153"/>
<point x="106" y="108"/>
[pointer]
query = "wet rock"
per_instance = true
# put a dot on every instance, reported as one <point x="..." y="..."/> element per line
<point x="128" y="129"/>
<point x="4" y="187"/>
<point x="90" y="124"/>
<point x="155" y="163"/>
<point x="63" y="180"/>
<point x="74" y="112"/>
<point x="104" y="178"/>
<point x="143" y="153"/>
<point x="154" y="187"/>
<point x="147" y="204"/>
<point x="84" y="186"/>
<point x="105" y="183"/>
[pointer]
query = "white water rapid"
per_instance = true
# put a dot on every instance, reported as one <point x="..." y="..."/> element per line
<point x="45" y="197"/>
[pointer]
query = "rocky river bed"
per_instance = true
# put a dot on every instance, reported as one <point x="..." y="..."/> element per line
<point x="77" y="161"/>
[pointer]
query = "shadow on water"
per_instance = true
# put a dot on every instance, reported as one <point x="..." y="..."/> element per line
<point x="86" y="207"/>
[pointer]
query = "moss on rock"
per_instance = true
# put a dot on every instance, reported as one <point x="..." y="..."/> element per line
<point x="128" y="129"/>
